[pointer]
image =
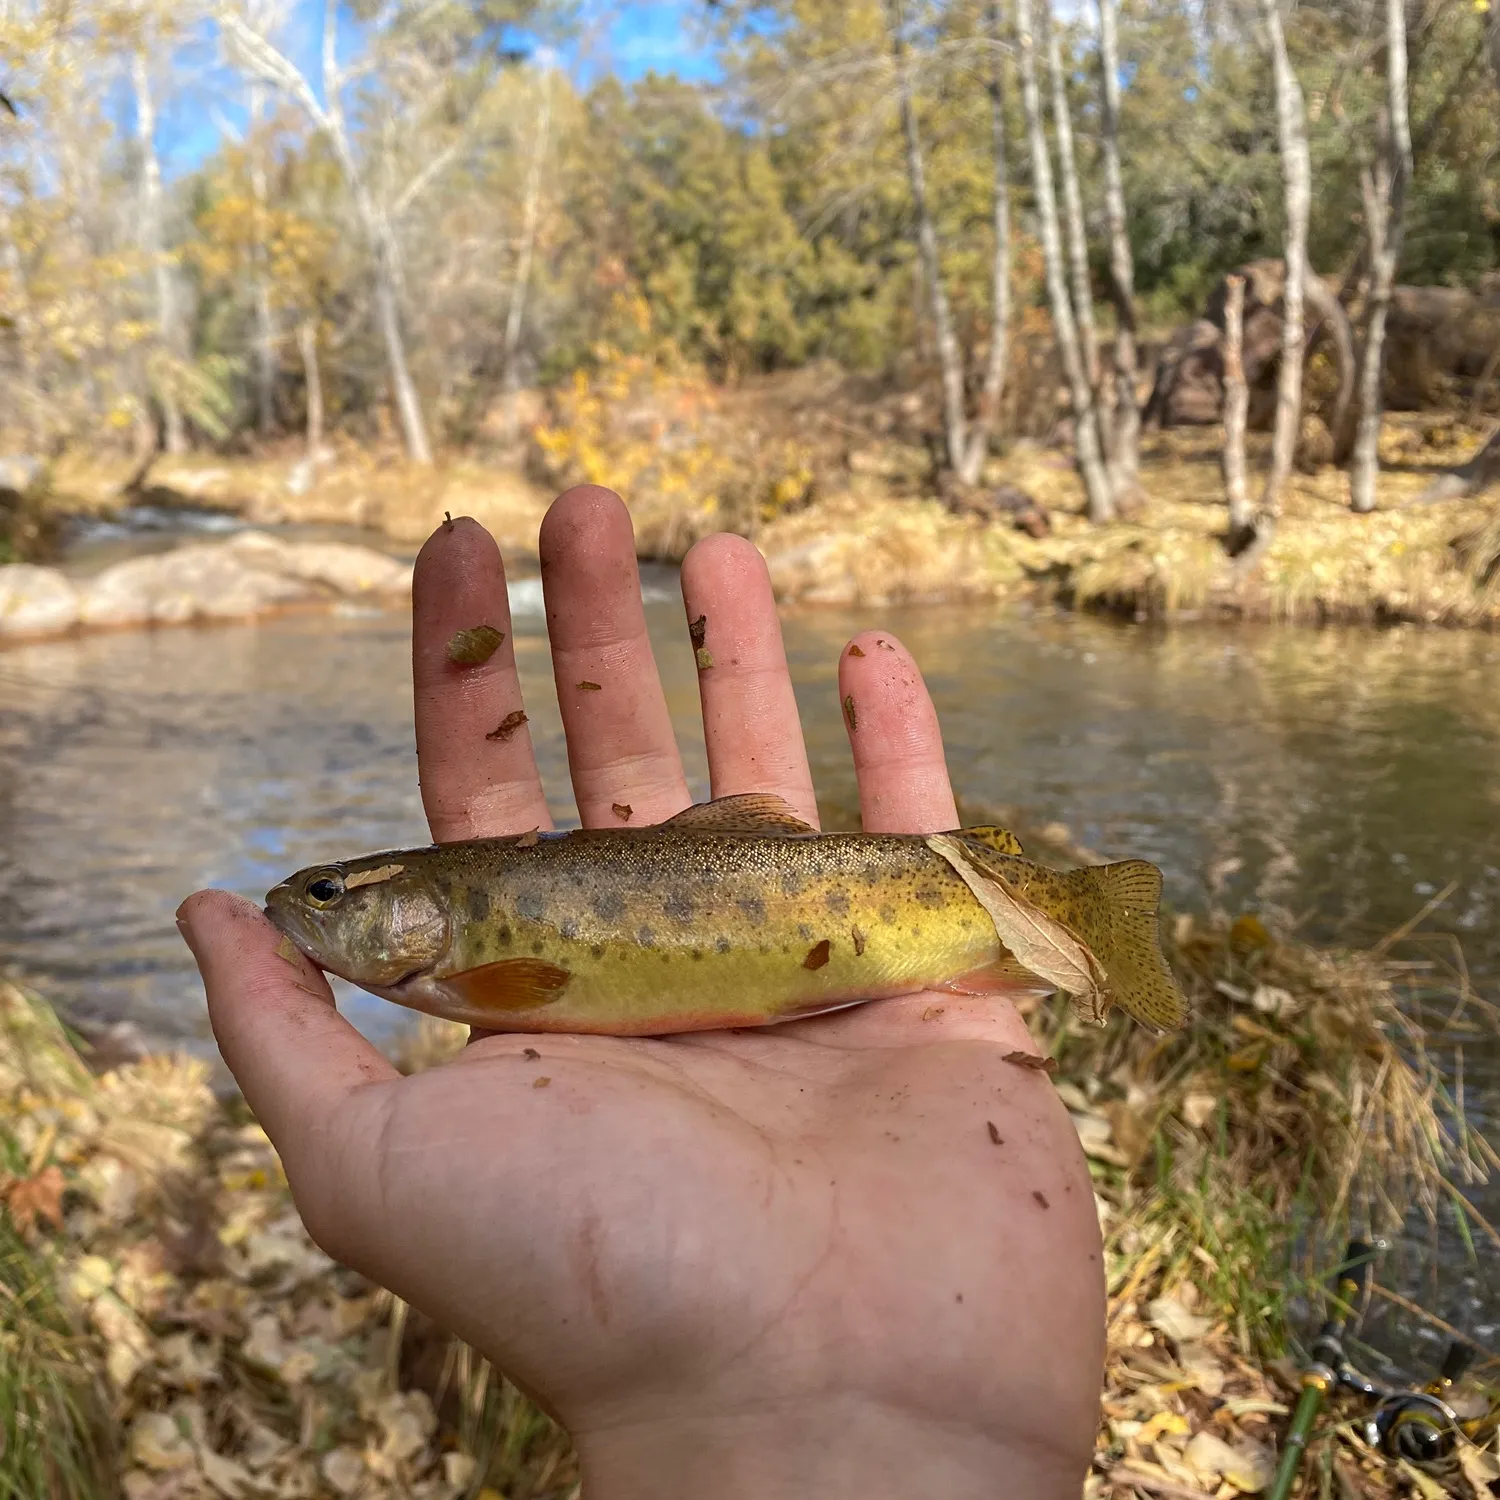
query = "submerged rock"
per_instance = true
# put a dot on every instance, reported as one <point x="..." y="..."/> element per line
<point x="36" y="601"/>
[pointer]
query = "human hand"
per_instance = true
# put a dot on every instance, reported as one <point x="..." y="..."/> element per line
<point x="856" y="1254"/>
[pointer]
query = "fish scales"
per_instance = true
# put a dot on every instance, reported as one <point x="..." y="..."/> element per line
<point x="740" y="918"/>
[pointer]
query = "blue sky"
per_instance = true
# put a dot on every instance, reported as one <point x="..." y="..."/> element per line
<point x="629" y="38"/>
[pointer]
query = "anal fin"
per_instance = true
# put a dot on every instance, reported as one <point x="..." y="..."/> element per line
<point x="1002" y="977"/>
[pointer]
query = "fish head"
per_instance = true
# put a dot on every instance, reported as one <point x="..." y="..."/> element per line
<point x="373" y="921"/>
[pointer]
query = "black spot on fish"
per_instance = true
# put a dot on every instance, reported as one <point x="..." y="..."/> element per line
<point x="503" y="937"/>
<point x="677" y="907"/>
<point x="754" y="908"/>
<point x="697" y="953"/>
<point x="837" y="902"/>
<point x="479" y="905"/>
<point x="929" y="896"/>
<point x="723" y="945"/>
<point x="596" y="951"/>
<point x="538" y="946"/>
<point x="645" y="937"/>
<point x="608" y="905"/>
<point x="531" y="904"/>
<point x="569" y="927"/>
<point x="872" y="876"/>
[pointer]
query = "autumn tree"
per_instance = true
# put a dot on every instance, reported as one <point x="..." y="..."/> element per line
<point x="439" y="73"/>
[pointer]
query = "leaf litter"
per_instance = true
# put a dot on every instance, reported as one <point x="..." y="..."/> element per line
<point x="218" y="1353"/>
<point x="226" y="1356"/>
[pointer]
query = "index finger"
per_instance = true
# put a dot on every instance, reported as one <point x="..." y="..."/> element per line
<point x="478" y="773"/>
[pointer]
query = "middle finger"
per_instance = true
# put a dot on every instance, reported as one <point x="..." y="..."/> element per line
<point x="621" y="749"/>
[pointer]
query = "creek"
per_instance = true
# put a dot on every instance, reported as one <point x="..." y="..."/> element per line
<point x="1338" y="778"/>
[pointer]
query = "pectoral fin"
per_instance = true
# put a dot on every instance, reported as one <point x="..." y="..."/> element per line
<point x="512" y="984"/>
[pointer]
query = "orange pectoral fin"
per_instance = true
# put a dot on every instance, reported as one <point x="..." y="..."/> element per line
<point x="511" y="984"/>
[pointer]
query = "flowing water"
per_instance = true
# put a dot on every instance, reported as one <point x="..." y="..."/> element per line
<point x="1343" y="777"/>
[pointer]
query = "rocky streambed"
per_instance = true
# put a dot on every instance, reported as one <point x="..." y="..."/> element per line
<point x="249" y="574"/>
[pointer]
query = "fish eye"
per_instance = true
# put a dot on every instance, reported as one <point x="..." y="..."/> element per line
<point x="326" y="888"/>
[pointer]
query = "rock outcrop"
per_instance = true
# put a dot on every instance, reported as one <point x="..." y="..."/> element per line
<point x="250" y="574"/>
<point x="36" y="601"/>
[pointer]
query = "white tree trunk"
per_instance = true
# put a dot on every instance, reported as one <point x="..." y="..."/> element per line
<point x="328" y="115"/>
<point x="265" y="327"/>
<point x="530" y="219"/>
<point x="1067" y="162"/>
<point x="950" y="360"/>
<point x="1127" y="413"/>
<point x="153" y="241"/>
<point x="1386" y="212"/>
<point x="994" y="372"/>
<point x="388" y="316"/>
<point x="1236" y="406"/>
<point x="1296" y="175"/>
<point x="1091" y="468"/>
<point x="307" y="346"/>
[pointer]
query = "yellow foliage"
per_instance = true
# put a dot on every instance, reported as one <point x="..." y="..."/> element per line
<point x="655" y="429"/>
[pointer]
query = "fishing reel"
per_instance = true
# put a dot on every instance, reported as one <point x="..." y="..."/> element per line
<point x="1418" y="1424"/>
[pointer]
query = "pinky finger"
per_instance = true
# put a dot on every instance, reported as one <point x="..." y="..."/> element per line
<point x="894" y="733"/>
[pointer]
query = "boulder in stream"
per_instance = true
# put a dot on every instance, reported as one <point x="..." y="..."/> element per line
<point x="36" y="601"/>
<point x="250" y="574"/>
<point x="195" y="582"/>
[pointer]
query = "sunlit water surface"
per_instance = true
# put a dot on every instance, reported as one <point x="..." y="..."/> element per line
<point x="1344" y="777"/>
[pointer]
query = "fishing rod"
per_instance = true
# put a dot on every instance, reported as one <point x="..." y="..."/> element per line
<point x="1411" y="1422"/>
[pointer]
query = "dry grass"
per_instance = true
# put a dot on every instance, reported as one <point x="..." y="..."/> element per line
<point x="152" y="1269"/>
<point x="356" y="486"/>
<point x="838" y="496"/>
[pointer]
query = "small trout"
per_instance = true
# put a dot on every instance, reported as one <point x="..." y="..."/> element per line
<point x="733" y="913"/>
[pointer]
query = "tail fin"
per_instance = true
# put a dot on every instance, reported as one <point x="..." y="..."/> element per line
<point x="1114" y="911"/>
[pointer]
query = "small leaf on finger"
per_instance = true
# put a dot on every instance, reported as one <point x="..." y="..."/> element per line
<point x="472" y="648"/>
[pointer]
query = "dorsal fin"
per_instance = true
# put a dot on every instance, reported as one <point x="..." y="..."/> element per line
<point x="749" y="812"/>
<point x="1001" y="840"/>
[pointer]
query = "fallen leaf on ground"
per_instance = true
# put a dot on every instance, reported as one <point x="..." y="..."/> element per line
<point x="38" y="1197"/>
<point x="1167" y="1315"/>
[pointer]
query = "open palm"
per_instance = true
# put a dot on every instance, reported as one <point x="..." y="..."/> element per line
<point x="854" y="1254"/>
